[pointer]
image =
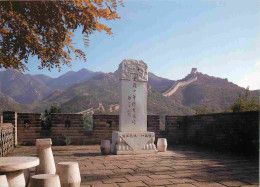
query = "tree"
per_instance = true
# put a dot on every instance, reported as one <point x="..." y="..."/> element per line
<point x="44" y="29"/>
<point x="245" y="103"/>
<point x="46" y="122"/>
<point x="88" y="122"/>
<point x="53" y="109"/>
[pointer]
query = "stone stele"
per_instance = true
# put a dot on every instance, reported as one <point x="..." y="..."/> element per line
<point x="132" y="137"/>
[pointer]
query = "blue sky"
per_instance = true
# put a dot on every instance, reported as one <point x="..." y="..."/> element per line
<point x="220" y="38"/>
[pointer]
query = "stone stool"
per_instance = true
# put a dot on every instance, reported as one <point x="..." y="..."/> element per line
<point x="69" y="174"/>
<point x="3" y="181"/>
<point x="161" y="144"/>
<point x="105" y="147"/>
<point x="45" y="180"/>
<point x="44" y="152"/>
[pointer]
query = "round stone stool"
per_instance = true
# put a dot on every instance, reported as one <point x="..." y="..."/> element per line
<point x="69" y="174"/>
<point x="105" y="147"/>
<point x="45" y="180"/>
<point x="44" y="152"/>
<point x="161" y="144"/>
<point x="3" y="181"/>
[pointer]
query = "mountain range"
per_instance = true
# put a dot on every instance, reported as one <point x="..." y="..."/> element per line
<point x="85" y="89"/>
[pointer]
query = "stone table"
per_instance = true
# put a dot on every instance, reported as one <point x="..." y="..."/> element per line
<point x="13" y="168"/>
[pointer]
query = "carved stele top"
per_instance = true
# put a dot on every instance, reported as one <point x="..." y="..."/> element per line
<point x="138" y="67"/>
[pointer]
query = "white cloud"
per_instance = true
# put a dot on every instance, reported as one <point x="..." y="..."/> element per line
<point x="251" y="79"/>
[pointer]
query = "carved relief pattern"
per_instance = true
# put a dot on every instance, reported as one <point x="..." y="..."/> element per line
<point x="6" y="140"/>
<point x="123" y="145"/>
<point x="138" y="67"/>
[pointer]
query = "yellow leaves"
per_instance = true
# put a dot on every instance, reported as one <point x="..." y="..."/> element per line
<point x="107" y="11"/>
<point x="103" y="27"/>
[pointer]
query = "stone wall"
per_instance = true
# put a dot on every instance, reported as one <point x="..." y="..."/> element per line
<point x="6" y="138"/>
<point x="64" y="128"/>
<point x="153" y="125"/>
<point x="69" y="128"/>
<point x="236" y="132"/>
<point x="104" y="125"/>
<point x="29" y="128"/>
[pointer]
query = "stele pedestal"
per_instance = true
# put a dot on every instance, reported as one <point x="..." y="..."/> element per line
<point x="132" y="137"/>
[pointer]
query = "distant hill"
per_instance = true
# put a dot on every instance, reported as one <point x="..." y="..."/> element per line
<point x="158" y="83"/>
<point x="103" y="90"/>
<point x="70" y="78"/>
<point x="84" y="90"/>
<point x="23" y="88"/>
<point x="215" y="93"/>
<point x="7" y="103"/>
<point x="27" y="89"/>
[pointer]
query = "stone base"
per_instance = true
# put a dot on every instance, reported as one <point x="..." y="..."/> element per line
<point x="130" y="143"/>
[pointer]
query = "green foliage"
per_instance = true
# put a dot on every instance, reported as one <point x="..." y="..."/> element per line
<point x="67" y="140"/>
<point x="54" y="109"/>
<point x="88" y="122"/>
<point x="46" y="122"/>
<point x="245" y="103"/>
<point x="202" y="109"/>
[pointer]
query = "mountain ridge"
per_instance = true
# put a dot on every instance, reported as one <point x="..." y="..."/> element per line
<point x="96" y="89"/>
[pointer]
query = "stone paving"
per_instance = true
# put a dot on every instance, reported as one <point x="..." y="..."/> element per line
<point x="180" y="166"/>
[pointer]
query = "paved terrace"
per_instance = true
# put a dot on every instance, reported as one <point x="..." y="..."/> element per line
<point x="179" y="166"/>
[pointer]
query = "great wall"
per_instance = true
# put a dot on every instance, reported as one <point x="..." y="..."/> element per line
<point x="183" y="82"/>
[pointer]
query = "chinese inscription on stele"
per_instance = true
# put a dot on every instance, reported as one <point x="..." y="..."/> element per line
<point x="131" y="112"/>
